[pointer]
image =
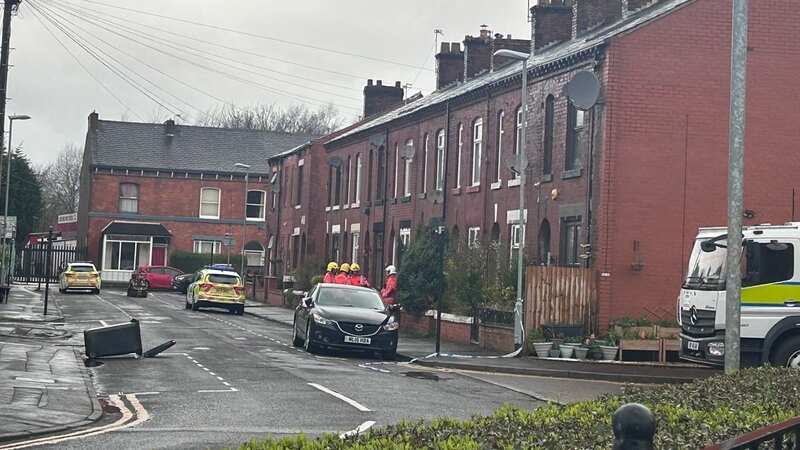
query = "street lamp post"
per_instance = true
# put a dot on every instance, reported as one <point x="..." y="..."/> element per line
<point x="11" y="119"/>
<point x="520" y="166"/>
<point x="246" y="168"/>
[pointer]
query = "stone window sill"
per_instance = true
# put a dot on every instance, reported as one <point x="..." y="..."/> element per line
<point x="473" y="189"/>
<point x="422" y="195"/>
<point x="514" y="182"/>
<point x="569" y="174"/>
<point x="456" y="191"/>
<point x="405" y="199"/>
<point x="497" y="185"/>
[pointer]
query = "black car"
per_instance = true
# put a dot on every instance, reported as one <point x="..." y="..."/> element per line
<point x="345" y="317"/>
<point x="181" y="282"/>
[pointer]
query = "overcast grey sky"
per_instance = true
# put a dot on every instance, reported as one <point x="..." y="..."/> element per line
<point x="48" y="84"/>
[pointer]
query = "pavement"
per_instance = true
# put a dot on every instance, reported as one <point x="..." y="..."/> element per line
<point x="473" y="358"/>
<point x="45" y="387"/>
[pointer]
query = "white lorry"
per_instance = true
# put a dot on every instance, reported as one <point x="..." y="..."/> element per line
<point x="770" y="300"/>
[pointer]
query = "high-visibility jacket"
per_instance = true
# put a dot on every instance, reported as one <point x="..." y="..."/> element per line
<point x="329" y="278"/>
<point x="341" y="278"/>
<point x="359" y="280"/>
<point x="389" y="289"/>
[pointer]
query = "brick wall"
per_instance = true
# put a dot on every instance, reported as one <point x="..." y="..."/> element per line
<point x="666" y="135"/>
<point x="497" y="339"/>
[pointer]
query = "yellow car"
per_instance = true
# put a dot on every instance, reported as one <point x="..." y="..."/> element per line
<point x="79" y="275"/>
<point x="218" y="289"/>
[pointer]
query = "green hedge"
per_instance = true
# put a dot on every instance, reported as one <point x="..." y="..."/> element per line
<point x="190" y="262"/>
<point x="689" y="416"/>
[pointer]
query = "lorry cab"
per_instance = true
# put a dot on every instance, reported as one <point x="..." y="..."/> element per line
<point x="770" y="297"/>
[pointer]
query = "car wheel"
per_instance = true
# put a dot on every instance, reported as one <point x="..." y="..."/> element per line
<point x="241" y="310"/>
<point x="187" y="305"/>
<point x="788" y="353"/>
<point x="296" y="340"/>
<point x="307" y="344"/>
<point x="195" y="307"/>
<point x="96" y="291"/>
<point x="146" y="285"/>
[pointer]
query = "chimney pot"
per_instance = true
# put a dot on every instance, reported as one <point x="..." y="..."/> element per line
<point x="508" y="36"/>
<point x="445" y="47"/>
<point x="369" y="82"/>
<point x="379" y="82"/>
<point x="397" y="84"/>
<point x="455" y="47"/>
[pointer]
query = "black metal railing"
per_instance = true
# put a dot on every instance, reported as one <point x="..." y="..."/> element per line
<point x="496" y="317"/>
<point x="785" y="435"/>
<point x="31" y="262"/>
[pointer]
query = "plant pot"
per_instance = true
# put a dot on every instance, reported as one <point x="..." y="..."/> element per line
<point x="555" y="353"/>
<point x="609" y="352"/>
<point x="566" y="350"/>
<point x="595" y="353"/>
<point x="542" y="348"/>
<point x="581" y="352"/>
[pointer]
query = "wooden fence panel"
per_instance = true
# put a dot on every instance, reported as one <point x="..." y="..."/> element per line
<point x="561" y="295"/>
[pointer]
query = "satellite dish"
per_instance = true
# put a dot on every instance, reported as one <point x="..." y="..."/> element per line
<point x="408" y="151"/>
<point x="515" y="162"/>
<point x="335" y="161"/>
<point x="583" y="90"/>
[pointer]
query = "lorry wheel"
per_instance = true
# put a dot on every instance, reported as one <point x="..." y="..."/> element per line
<point x="788" y="353"/>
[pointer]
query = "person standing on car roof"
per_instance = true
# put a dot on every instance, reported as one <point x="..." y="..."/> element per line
<point x="390" y="285"/>
<point x="330" y="275"/>
<point x="356" y="278"/>
<point x="343" y="277"/>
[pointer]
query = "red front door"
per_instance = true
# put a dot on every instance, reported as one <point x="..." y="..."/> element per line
<point x="159" y="256"/>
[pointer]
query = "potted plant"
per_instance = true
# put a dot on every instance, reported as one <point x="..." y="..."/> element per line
<point x="581" y="352"/>
<point x="568" y="346"/>
<point x="539" y="343"/>
<point x="610" y="347"/>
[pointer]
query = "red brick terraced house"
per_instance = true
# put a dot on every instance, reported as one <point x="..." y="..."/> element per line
<point x="150" y="189"/>
<point x="620" y="188"/>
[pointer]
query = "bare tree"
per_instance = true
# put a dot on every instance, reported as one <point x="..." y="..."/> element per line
<point x="60" y="181"/>
<point x="295" y="119"/>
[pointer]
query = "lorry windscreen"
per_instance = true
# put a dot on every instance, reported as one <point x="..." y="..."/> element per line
<point x="706" y="269"/>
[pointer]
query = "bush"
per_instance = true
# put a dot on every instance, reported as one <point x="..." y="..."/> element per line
<point x="420" y="279"/>
<point x="191" y="262"/>
<point x="689" y="416"/>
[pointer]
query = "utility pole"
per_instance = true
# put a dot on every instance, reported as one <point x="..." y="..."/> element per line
<point x="8" y="8"/>
<point x="733" y="282"/>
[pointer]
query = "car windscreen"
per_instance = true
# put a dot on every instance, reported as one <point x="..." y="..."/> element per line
<point x="82" y="268"/>
<point x="217" y="278"/>
<point x="354" y="298"/>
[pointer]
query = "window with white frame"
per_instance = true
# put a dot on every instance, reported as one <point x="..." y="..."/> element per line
<point x="460" y="150"/>
<point x="396" y="162"/>
<point x="407" y="168"/>
<point x="500" y="132"/>
<point x="207" y="247"/>
<point x="440" y="160"/>
<point x="356" y="237"/>
<point x="519" y="137"/>
<point x="128" y="198"/>
<point x="425" y="165"/>
<point x="209" y="203"/>
<point x="126" y="253"/>
<point x="348" y="181"/>
<point x="357" y="186"/>
<point x="254" y="254"/>
<point x="335" y="250"/>
<point x="256" y="205"/>
<point x="477" y="149"/>
<point x="474" y="237"/>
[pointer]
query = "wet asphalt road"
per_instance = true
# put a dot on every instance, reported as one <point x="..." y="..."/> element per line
<point x="233" y="378"/>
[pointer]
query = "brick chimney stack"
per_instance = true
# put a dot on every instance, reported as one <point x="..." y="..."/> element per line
<point x="449" y="64"/>
<point x="551" y="23"/>
<point x="591" y="14"/>
<point x="379" y="98"/>
<point x="508" y="43"/>
<point x="477" y="53"/>
<point x="93" y="118"/>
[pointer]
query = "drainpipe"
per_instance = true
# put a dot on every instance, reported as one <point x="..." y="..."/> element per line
<point x="278" y="216"/>
<point x="589" y="180"/>
<point x="445" y="187"/>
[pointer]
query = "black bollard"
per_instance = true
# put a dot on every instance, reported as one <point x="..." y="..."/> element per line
<point x="634" y="427"/>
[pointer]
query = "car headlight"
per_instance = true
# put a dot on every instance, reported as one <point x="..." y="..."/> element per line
<point x="392" y="324"/>
<point x="716" y="349"/>
<point x="321" y="320"/>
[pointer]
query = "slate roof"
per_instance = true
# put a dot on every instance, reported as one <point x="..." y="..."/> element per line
<point x="134" y="145"/>
<point x="550" y="55"/>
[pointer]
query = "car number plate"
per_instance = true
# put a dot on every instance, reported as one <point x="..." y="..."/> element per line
<point x="693" y="345"/>
<point x="357" y="340"/>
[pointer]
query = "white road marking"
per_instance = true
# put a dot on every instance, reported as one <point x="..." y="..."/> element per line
<point x="212" y="373"/>
<point x="36" y="380"/>
<point x="226" y="383"/>
<point x="361" y="429"/>
<point x="122" y="422"/>
<point x="220" y="378"/>
<point x="201" y="348"/>
<point x="341" y="397"/>
<point x="146" y="393"/>
<point x="205" y="391"/>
